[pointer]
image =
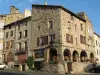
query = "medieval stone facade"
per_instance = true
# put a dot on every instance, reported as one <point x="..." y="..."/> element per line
<point x="60" y="35"/>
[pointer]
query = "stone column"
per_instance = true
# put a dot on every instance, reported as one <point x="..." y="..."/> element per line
<point x="26" y="67"/>
<point x="20" y="67"/>
<point x="46" y="56"/>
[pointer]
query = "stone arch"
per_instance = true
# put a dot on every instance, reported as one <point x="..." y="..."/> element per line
<point x="67" y="55"/>
<point x="75" y="56"/>
<point x="53" y="54"/>
<point x="91" y="57"/>
<point x="83" y="56"/>
<point x="10" y="57"/>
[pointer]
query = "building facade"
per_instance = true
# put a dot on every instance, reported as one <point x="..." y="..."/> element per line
<point x="9" y="38"/>
<point x="61" y="35"/>
<point x="2" y="17"/>
<point x="16" y="39"/>
<point x="97" y="46"/>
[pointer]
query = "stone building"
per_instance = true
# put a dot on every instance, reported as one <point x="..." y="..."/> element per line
<point x="2" y="17"/>
<point x="97" y="46"/>
<point x="16" y="41"/>
<point x="60" y="34"/>
<point x="9" y="19"/>
<point x="13" y="16"/>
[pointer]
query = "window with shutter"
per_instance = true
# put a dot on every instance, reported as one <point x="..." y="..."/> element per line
<point x="71" y="39"/>
<point x="38" y="41"/>
<point x="45" y="40"/>
<point x="83" y="39"/>
<point x="52" y="37"/>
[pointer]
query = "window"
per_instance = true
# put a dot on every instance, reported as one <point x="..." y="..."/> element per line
<point x="20" y="35"/>
<point x="19" y="27"/>
<point x="76" y="40"/>
<point x="7" y="34"/>
<point x="19" y="46"/>
<point x="38" y="28"/>
<point x="7" y="45"/>
<point x="69" y="38"/>
<point x="69" y="25"/>
<point x="82" y="39"/>
<point x="50" y="25"/>
<point x="39" y="54"/>
<point x="52" y="37"/>
<point x="45" y="40"/>
<point x="89" y="30"/>
<point x="25" y="45"/>
<point x="25" y="33"/>
<point x="38" y="41"/>
<point x="82" y="27"/>
<point x="96" y="43"/>
<point x="12" y="43"/>
<point x="11" y="33"/>
<point x="97" y="52"/>
<point x="75" y="28"/>
<point x="42" y="40"/>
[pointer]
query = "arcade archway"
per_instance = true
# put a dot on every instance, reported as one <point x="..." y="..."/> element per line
<point x="83" y="56"/>
<point x="67" y="55"/>
<point x="75" y="56"/>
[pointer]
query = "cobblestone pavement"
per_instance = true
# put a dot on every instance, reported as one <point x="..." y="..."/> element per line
<point x="14" y="72"/>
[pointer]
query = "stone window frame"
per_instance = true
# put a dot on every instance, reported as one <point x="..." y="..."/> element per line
<point x="81" y="27"/>
<point x="7" y="34"/>
<point x="69" y="25"/>
<point x="11" y="33"/>
<point x="50" y="24"/>
<point x="38" y="28"/>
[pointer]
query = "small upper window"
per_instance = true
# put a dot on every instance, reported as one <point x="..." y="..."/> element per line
<point x="69" y="25"/>
<point x="82" y="27"/>
<point x="50" y="25"/>
<point x="38" y="28"/>
<point x="11" y="33"/>
<point x="7" y="34"/>
<point x="75" y="28"/>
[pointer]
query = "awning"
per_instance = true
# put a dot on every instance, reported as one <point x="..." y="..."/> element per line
<point x="38" y="59"/>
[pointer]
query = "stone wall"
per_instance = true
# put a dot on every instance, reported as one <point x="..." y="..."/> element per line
<point x="81" y="67"/>
<point x="77" y="67"/>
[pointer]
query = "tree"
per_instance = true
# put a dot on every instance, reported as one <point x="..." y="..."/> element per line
<point x="30" y="62"/>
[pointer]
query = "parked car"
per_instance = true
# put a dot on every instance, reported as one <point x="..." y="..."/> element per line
<point x="3" y="66"/>
<point x="95" y="69"/>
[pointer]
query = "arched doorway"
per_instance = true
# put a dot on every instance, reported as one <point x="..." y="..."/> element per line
<point x="10" y="57"/>
<point x="83" y="56"/>
<point x="91" y="57"/>
<point x="67" y="55"/>
<point x="75" y="56"/>
<point x="53" y="54"/>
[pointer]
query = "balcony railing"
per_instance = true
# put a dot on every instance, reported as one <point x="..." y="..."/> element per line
<point x="21" y="51"/>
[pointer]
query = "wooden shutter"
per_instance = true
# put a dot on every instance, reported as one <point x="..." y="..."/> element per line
<point x="71" y="39"/>
<point x="81" y="38"/>
<point x="38" y="41"/>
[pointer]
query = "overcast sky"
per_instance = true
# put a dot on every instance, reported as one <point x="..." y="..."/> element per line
<point x="90" y="7"/>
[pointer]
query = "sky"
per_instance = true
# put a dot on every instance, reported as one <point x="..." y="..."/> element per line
<point x="90" y="7"/>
